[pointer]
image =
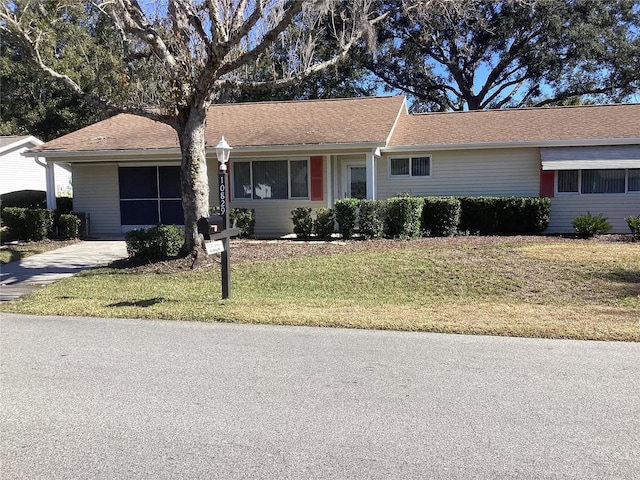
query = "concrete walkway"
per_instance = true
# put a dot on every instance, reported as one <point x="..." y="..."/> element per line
<point x="20" y="277"/>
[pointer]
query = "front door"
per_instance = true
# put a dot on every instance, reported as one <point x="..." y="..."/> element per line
<point x="356" y="182"/>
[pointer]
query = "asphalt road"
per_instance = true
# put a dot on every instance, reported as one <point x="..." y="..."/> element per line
<point x="129" y="399"/>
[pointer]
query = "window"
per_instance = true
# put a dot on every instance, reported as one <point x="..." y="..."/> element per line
<point x="634" y="180"/>
<point x="410" y="167"/>
<point x="602" y="181"/>
<point x="599" y="181"/>
<point x="568" y="181"/>
<point x="150" y="195"/>
<point x="271" y="179"/>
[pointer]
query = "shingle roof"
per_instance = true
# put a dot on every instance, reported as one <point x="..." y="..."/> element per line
<point x="316" y="122"/>
<point x="360" y="121"/>
<point x="10" y="139"/>
<point x="519" y="125"/>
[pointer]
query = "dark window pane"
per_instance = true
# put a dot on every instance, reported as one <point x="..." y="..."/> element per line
<point x="399" y="166"/>
<point x="568" y="181"/>
<point x="138" y="182"/>
<point x="299" y="179"/>
<point x="171" y="212"/>
<point x="169" y="182"/>
<point x="241" y="180"/>
<point x="270" y="179"/>
<point x="634" y="179"/>
<point x="603" y="181"/>
<point x="420" y="166"/>
<point x="139" y="212"/>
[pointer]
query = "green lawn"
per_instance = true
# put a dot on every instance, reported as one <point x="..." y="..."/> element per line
<point x="565" y="289"/>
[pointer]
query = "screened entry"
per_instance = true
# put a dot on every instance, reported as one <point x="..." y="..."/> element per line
<point x="150" y="196"/>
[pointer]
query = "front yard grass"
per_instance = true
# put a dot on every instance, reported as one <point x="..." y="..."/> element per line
<point x="563" y="289"/>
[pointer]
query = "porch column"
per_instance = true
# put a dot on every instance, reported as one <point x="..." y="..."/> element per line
<point x="51" y="184"/>
<point x="329" y="180"/>
<point x="371" y="176"/>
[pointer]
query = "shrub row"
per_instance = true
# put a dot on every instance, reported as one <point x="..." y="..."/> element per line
<point x="35" y="224"/>
<point x="410" y="217"/>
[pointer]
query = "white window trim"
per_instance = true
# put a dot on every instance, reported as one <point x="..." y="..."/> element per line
<point x="410" y="158"/>
<point x="579" y="192"/>
<point x="289" y="179"/>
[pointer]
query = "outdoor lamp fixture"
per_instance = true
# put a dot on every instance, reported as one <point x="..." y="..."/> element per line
<point x="223" y="150"/>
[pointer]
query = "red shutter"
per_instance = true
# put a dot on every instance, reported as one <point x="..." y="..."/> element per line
<point x="547" y="183"/>
<point x="316" y="175"/>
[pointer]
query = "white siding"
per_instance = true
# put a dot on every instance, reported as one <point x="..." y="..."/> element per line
<point x="494" y="172"/>
<point x="96" y="192"/>
<point x="21" y="173"/>
<point x="18" y="172"/>
<point x="564" y="208"/>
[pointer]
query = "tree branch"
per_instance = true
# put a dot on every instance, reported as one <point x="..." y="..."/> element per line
<point x="267" y="40"/>
<point x="135" y="22"/>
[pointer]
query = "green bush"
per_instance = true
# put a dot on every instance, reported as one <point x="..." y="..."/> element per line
<point x="346" y="210"/>
<point x="324" y="224"/>
<point x="244" y="220"/>
<point x="504" y="215"/>
<point x="588" y="225"/>
<point x="38" y="224"/>
<point x="64" y="205"/>
<point x="440" y="216"/>
<point x="478" y="215"/>
<point x="522" y="215"/>
<point x="14" y="218"/>
<point x="302" y="222"/>
<point x="154" y="243"/>
<point x="68" y="226"/>
<point x="634" y="224"/>
<point x="403" y="217"/>
<point x="372" y="216"/>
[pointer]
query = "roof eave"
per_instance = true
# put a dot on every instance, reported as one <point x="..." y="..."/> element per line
<point x="23" y="141"/>
<point x="518" y="144"/>
<point x="322" y="147"/>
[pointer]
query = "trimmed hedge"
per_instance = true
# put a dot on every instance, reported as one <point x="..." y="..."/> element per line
<point x="32" y="224"/>
<point x="504" y="215"/>
<point x="324" y="224"/>
<point x="372" y="218"/>
<point x="14" y="219"/>
<point x="154" y="243"/>
<point x="403" y="217"/>
<point x="68" y="226"/>
<point x="302" y="222"/>
<point x="346" y="210"/>
<point x="440" y="216"/>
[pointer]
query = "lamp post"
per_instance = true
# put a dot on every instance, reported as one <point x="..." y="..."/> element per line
<point x="223" y="150"/>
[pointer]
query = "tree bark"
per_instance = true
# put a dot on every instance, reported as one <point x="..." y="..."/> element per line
<point x="193" y="176"/>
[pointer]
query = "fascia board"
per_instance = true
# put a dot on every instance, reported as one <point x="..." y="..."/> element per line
<point x="99" y="155"/>
<point x="492" y="145"/>
<point x="23" y="141"/>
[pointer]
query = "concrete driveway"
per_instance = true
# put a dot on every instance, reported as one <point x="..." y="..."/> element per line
<point x="23" y="276"/>
<point x="89" y="398"/>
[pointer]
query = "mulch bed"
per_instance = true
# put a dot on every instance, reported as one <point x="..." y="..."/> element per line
<point x="244" y="250"/>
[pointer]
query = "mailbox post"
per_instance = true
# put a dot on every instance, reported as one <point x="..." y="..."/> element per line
<point x="223" y="150"/>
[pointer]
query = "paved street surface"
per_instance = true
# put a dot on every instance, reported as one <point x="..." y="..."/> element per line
<point x="129" y="399"/>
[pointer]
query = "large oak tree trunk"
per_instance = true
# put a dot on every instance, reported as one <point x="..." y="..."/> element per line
<point x="193" y="176"/>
